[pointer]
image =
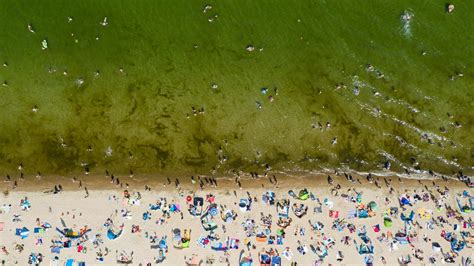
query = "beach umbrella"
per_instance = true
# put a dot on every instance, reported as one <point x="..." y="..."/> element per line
<point x="436" y="247"/>
<point x="376" y="228"/>
<point x="372" y="205"/>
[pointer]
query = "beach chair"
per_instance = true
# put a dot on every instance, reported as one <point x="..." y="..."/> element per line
<point x="317" y="209"/>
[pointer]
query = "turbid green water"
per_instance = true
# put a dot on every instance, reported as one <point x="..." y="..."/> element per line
<point x="158" y="59"/>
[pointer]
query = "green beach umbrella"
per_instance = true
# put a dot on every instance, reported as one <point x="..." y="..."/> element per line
<point x="372" y="205"/>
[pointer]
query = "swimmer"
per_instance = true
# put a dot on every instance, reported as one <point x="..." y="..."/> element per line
<point x="206" y="8"/>
<point x="104" y="22"/>
<point x="30" y="28"/>
<point x="449" y="8"/>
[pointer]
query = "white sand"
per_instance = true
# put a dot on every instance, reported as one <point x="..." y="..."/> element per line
<point x="98" y="207"/>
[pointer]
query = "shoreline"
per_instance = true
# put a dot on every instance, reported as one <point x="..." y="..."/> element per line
<point x="104" y="182"/>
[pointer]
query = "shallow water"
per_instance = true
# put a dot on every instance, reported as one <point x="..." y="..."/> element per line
<point x="171" y="55"/>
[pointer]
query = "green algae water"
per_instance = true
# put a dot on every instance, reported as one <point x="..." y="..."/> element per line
<point x="194" y="86"/>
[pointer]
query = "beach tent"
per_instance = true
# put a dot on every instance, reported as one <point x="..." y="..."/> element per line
<point x="244" y="205"/>
<point x="303" y="194"/>
<point x="362" y="213"/>
<point x="112" y="235"/>
<point x="457" y="246"/>
<point x="387" y="222"/>
<point x="464" y="208"/>
<point x="404" y="201"/>
<point x="245" y="260"/>
<point x="265" y="259"/>
<point x="402" y="238"/>
<point x="22" y="232"/>
<point x="292" y="193"/>
<point x="276" y="261"/>
<point x="376" y="228"/>
<point x="436" y="247"/>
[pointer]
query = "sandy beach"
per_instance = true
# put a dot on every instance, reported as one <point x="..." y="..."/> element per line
<point x="248" y="220"/>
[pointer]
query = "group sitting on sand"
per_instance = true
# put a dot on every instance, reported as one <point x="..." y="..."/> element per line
<point x="337" y="222"/>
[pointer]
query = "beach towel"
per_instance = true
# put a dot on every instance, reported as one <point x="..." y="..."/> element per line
<point x="352" y="214"/>
<point x="2" y="225"/>
<point x="334" y="214"/>
<point x="56" y="250"/>
<point x="279" y="240"/>
<point x="276" y="261"/>
<point x="38" y="230"/>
